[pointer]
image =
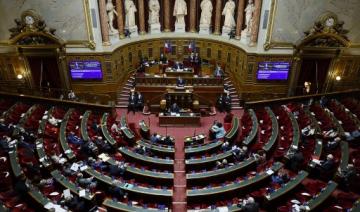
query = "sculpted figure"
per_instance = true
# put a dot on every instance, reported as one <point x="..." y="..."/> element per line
<point x="154" y="9"/>
<point x="206" y="12"/>
<point x="111" y="12"/>
<point x="249" y="14"/>
<point x="228" y="12"/>
<point x="130" y="10"/>
<point x="180" y="11"/>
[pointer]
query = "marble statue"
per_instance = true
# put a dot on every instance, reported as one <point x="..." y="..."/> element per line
<point x="111" y="12"/>
<point x="206" y="12"/>
<point x="154" y="9"/>
<point x="180" y="11"/>
<point x="249" y="14"/>
<point x="228" y="12"/>
<point x="130" y="10"/>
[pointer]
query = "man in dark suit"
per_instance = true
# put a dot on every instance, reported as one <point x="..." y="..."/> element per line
<point x="163" y="59"/>
<point x="140" y="101"/>
<point x="192" y="57"/>
<point x="218" y="72"/>
<point x="174" y="108"/>
<point x="227" y="102"/>
<point x="220" y="103"/>
<point x="132" y="102"/>
<point x="178" y="66"/>
<point x="328" y="164"/>
<point x="180" y="82"/>
<point x="249" y="205"/>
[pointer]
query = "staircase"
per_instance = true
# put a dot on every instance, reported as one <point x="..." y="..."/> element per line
<point x="235" y="100"/>
<point x="124" y="93"/>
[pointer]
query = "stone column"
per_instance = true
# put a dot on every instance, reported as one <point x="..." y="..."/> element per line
<point x="104" y="23"/>
<point x="120" y="18"/>
<point x="192" y="27"/>
<point x="240" y="19"/>
<point x="218" y="10"/>
<point x="142" y="30"/>
<point x="167" y="16"/>
<point x="256" y="22"/>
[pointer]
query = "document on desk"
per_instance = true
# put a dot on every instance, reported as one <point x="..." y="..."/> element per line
<point x="270" y="172"/>
<point x="75" y="167"/>
<point x="67" y="193"/>
<point x="82" y="193"/>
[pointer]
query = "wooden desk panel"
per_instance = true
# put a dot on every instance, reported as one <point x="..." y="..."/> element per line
<point x="179" y="121"/>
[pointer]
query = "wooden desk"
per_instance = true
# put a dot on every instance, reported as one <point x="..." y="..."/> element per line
<point x="146" y="159"/>
<point x="230" y="136"/>
<point x="274" y="130"/>
<point x="185" y="119"/>
<point x="287" y="187"/>
<point x="189" y="150"/>
<point x="322" y="196"/>
<point x="254" y="129"/>
<point x="84" y="122"/>
<point x="125" y="129"/>
<point x="62" y="134"/>
<point x="186" y="72"/>
<point x="212" y="159"/>
<point x="105" y="130"/>
<point x="161" y="149"/>
<point x="14" y="162"/>
<point x="121" y="206"/>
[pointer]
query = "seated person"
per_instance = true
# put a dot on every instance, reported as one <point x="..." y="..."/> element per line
<point x="168" y="140"/>
<point x="249" y="205"/>
<point x="178" y="66"/>
<point x="328" y="164"/>
<point x="219" y="130"/>
<point x="197" y="59"/>
<point x="192" y="57"/>
<point x="218" y="72"/>
<point x="180" y="82"/>
<point x="154" y="138"/>
<point x="296" y="159"/>
<point x="73" y="139"/>
<point x="163" y="59"/>
<point x="333" y="144"/>
<point x="280" y="177"/>
<point x="225" y="146"/>
<point x="174" y="108"/>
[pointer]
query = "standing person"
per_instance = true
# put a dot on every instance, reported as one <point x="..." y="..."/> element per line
<point x="140" y="101"/>
<point x="220" y="103"/>
<point x="132" y="102"/>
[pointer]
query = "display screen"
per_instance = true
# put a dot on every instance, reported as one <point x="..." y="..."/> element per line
<point x="273" y="70"/>
<point x="86" y="70"/>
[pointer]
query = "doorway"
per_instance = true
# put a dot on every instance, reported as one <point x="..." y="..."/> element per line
<point x="313" y="70"/>
<point x="44" y="71"/>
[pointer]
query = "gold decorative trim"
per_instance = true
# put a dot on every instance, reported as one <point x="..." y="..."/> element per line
<point x="90" y="42"/>
<point x="269" y="44"/>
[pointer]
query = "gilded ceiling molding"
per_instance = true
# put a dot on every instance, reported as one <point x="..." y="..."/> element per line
<point x="90" y="42"/>
<point x="269" y="44"/>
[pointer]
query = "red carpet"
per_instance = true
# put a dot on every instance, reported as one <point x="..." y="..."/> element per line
<point x="179" y="192"/>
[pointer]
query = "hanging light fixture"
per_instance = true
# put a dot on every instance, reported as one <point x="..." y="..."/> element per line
<point x="19" y="76"/>
<point x="338" y="78"/>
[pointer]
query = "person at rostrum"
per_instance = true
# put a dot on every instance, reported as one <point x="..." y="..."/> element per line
<point x="180" y="82"/>
<point x="174" y="108"/>
<point x="132" y="102"/>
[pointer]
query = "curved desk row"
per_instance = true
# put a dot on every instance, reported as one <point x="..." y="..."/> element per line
<point x="314" y="122"/>
<point x="317" y="152"/>
<point x="234" y="129"/>
<point x="14" y="162"/>
<point x="105" y="130"/>
<point x="191" y="193"/>
<point x="203" y="148"/>
<point x="287" y="187"/>
<point x="120" y="206"/>
<point x="336" y="122"/>
<point x="64" y="181"/>
<point x="62" y="134"/>
<point x="40" y="142"/>
<point x="129" y="187"/>
<point x="322" y="196"/>
<point x="220" y="172"/>
<point x="296" y="132"/>
<point x="254" y="129"/>
<point x="274" y="130"/>
<point x="205" y="160"/>
<point x="157" y="161"/>
<point x="28" y="113"/>
<point x="83" y="126"/>
<point x="125" y="129"/>
<point x="164" y="149"/>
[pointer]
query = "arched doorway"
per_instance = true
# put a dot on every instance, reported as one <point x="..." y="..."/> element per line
<point x="315" y="55"/>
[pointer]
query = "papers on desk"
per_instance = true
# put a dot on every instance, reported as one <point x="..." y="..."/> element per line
<point x="67" y="193"/>
<point x="178" y="114"/>
<point x="42" y="159"/>
<point x="223" y="209"/>
<point x="51" y="205"/>
<point x="75" y="167"/>
<point x="39" y="146"/>
<point x="62" y="160"/>
<point x="269" y="172"/>
<point x="104" y="157"/>
<point x="316" y="161"/>
<point x="54" y="193"/>
<point x="68" y="151"/>
<point x="82" y="168"/>
<point x="128" y="185"/>
<point x="172" y="114"/>
<point x="123" y="128"/>
<point x="82" y="193"/>
<point x="294" y="146"/>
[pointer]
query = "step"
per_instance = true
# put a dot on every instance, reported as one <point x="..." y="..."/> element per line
<point x="123" y="99"/>
<point x="121" y="106"/>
